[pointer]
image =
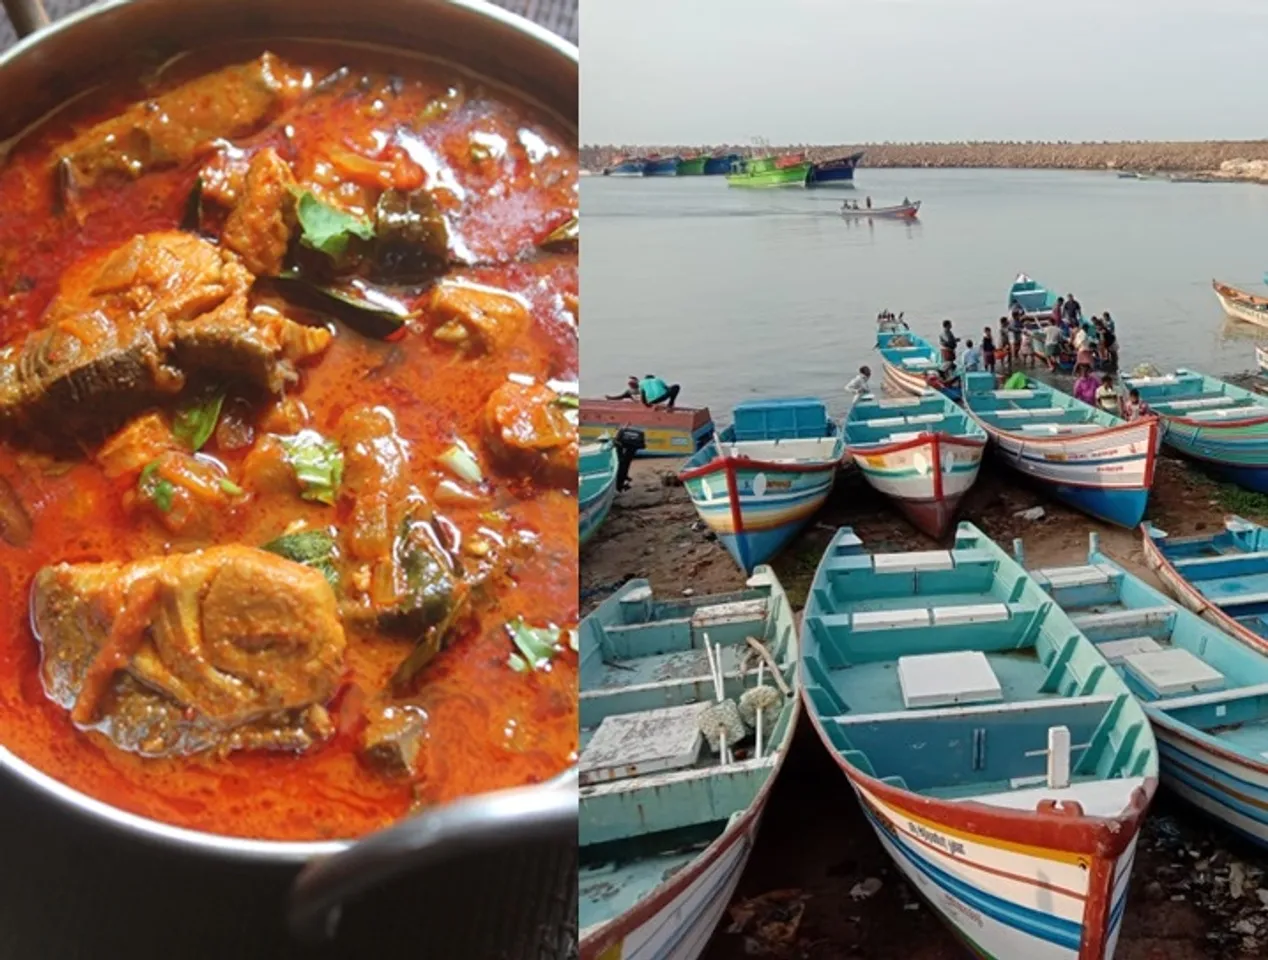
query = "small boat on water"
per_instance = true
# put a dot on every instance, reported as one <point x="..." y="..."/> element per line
<point x="1090" y="459"/>
<point x="783" y="171"/>
<point x="626" y="167"/>
<point x="596" y="468"/>
<point x="1240" y="305"/>
<point x="666" y="824"/>
<point x="1036" y="299"/>
<point x="1004" y="767"/>
<point x="661" y="166"/>
<point x="764" y="476"/>
<point x="836" y="172"/>
<point x="720" y="163"/>
<point x="691" y="166"/>
<point x="921" y="452"/>
<point x="898" y="211"/>
<point x="908" y="360"/>
<point x="1222" y="576"/>
<point x="1223" y="427"/>
<point x="668" y="433"/>
<point x="1205" y="692"/>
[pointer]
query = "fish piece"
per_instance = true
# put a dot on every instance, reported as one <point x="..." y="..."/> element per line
<point x="260" y="224"/>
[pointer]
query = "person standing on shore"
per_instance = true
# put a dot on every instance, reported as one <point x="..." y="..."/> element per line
<point x="1073" y="310"/>
<point x="971" y="362"/>
<point x="869" y="203"/>
<point x="1052" y="345"/>
<point x="1058" y="311"/>
<point x="948" y="341"/>
<point x="1005" y="351"/>
<point x="988" y="350"/>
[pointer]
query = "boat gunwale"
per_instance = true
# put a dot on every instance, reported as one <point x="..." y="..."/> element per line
<point x="595" y="940"/>
<point x="1256" y="401"/>
<point x="721" y="463"/>
<point x="1236" y="293"/>
<point x="898" y="446"/>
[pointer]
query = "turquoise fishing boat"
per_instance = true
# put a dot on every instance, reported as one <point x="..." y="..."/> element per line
<point x="921" y="452"/>
<point x="1036" y="299"/>
<point x="1084" y="456"/>
<point x="597" y="469"/>
<point x="1205" y="692"/>
<point x="764" y="476"/>
<point x="909" y="362"/>
<point x="1223" y="427"/>
<point x="666" y="821"/>
<point x="1003" y="765"/>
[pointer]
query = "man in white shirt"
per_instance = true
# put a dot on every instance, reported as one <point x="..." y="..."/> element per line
<point x="859" y="385"/>
<point x="971" y="361"/>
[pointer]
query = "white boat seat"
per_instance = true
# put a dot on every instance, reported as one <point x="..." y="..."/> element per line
<point x="633" y="744"/>
<point x="971" y="613"/>
<point x="883" y="422"/>
<point x="1214" y="697"/>
<point x="1082" y="576"/>
<point x="1024" y="394"/>
<point x="945" y="679"/>
<point x="1197" y="403"/>
<point x="1149" y="381"/>
<point x="1022" y="413"/>
<point x="737" y="611"/>
<point x="1171" y="672"/>
<point x="1058" y="428"/>
<point x="975" y="709"/>
<point x="1249" y="412"/>
<point x="917" y="560"/>
<point x="905" y="435"/>
<point x="898" y="402"/>
<point x="1239" y="599"/>
<point x="917" y="362"/>
<point x="925" y="417"/>
<point x="1191" y="563"/>
<point x="1138" y="618"/>
<point x="1115" y="651"/>
<point x="864" y="620"/>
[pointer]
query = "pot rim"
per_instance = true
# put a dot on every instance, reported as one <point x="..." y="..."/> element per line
<point x="137" y="826"/>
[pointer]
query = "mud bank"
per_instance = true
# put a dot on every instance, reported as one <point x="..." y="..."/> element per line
<point x="1218" y="159"/>
<point x="818" y="885"/>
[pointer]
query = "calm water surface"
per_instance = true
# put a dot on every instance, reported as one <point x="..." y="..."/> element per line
<point x="740" y="293"/>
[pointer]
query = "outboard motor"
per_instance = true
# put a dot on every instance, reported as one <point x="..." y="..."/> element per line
<point x="628" y="441"/>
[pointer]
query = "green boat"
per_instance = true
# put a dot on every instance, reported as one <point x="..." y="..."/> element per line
<point x="770" y="172"/>
<point x="692" y="166"/>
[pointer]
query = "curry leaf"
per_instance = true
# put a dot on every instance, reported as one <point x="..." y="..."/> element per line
<point x="195" y="425"/>
<point x="328" y="229"/>
<point x="318" y="464"/>
<point x="312" y="548"/>
<point x="537" y="645"/>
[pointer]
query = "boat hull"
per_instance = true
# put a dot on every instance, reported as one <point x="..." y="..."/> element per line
<point x="790" y="176"/>
<point x="908" y="211"/>
<point x="713" y="166"/>
<point x="1238" y="309"/>
<point x="598" y="490"/>
<point x="692" y="167"/>
<point x="631" y="168"/>
<point x="897" y="380"/>
<point x="1106" y="474"/>
<point x="1237" y="452"/>
<point x="755" y="507"/>
<point x="677" y="433"/>
<point x="661" y="167"/>
<point x="838" y="172"/>
<point x="925" y="478"/>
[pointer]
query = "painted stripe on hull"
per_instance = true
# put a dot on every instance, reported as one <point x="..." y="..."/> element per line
<point x="901" y="381"/>
<point x="1243" y="313"/>
<point x="590" y="516"/>
<point x="907" y="477"/>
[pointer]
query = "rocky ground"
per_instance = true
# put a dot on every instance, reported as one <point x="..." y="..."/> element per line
<point x="1219" y="159"/>
<point x="818" y="885"/>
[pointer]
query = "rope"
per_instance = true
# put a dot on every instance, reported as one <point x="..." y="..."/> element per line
<point x="765" y="654"/>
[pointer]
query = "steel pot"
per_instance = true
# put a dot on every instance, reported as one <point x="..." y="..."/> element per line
<point x="530" y="832"/>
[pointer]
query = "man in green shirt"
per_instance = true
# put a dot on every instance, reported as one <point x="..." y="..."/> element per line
<point x="651" y="390"/>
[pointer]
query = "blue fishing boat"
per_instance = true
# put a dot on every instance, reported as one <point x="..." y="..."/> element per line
<point x="764" y="476"/>
<point x="1092" y="460"/>
<point x="597" y="474"/>
<point x="1205" y="692"/>
<point x="1223" y="427"/>
<point x="1005" y="768"/>
<point x="721" y="163"/>
<point x="629" y="167"/>
<point x="666" y="821"/>
<point x="921" y="452"/>
<point x="909" y="362"/>
<point x="662" y="166"/>
<point x="1036" y="299"/>
<point x="837" y="172"/>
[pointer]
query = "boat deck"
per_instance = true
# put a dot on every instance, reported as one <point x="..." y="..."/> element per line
<point x="1193" y="396"/>
<point x="1037" y="410"/>
<point x="608" y="888"/>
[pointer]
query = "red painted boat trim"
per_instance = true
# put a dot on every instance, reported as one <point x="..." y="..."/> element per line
<point x="733" y="494"/>
<point x="901" y="445"/>
<point x="732" y="463"/>
<point x="1191" y="598"/>
<point x="1209" y="425"/>
<point x="1096" y="913"/>
<point x="593" y="946"/>
<point x="937" y="466"/>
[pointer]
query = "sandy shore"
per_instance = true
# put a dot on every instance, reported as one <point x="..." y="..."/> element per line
<point x="1216" y="159"/>
<point x="815" y="848"/>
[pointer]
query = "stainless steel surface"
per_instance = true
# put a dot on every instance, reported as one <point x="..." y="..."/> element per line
<point x="48" y="67"/>
<point x="430" y="845"/>
<point x="27" y="16"/>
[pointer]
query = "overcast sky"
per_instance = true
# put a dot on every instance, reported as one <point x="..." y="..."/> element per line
<point x="842" y="71"/>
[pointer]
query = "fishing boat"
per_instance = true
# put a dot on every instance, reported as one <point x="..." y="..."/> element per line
<point x="1036" y="299"/>
<point x="909" y="363"/>
<point x="784" y="171"/>
<point x="1241" y="305"/>
<point x="898" y="211"/>
<point x="1004" y="767"/>
<point x="661" y="166"/>
<point x="691" y="166"/>
<point x="666" y="824"/>
<point x="597" y="474"/>
<point x="1223" y="427"/>
<point x="720" y="163"/>
<point x="1205" y="692"/>
<point x="1222" y="576"/>
<point x="921" y="452"/>
<point x="1261" y="358"/>
<point x="1086" y="457"/>
<point x="837" y="172"/>
<point x="626" y="167"/>
<point x="764" y="476"/>
<point x="669" y="433"/>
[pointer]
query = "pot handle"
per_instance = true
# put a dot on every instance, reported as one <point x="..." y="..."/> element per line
<point x="27" y="15"/>
<point x="432" y="842"/>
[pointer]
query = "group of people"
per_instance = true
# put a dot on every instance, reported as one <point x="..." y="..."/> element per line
<point x="651" y="391"/>
<point x="1067" y="337"/>
<point x="854" y="204"/>
<point x="1103" y="393"/>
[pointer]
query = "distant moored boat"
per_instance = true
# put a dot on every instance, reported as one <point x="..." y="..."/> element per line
<point x="721" y="163"/>
<point x="662" y="166"/>
<point x="837" y="172"/>
<point x="626" y="167"/>
<point x="1036" y="299"/>
<point x="785" y="171"/>
<point x="691" y="166"/>
<point x="1241" y="305"/>
<point x="898" y="211"/>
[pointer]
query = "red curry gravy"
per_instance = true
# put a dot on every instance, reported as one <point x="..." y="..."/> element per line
<point x="505" y="174"/>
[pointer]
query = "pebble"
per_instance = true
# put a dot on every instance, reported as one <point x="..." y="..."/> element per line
<point x="865" y="889"/>
<point x="689" y="592"/>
